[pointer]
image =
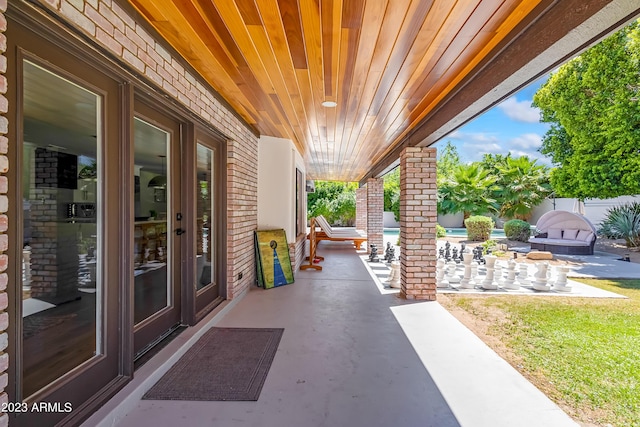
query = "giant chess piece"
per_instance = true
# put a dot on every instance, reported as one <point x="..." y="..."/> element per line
<point x="447" y="251"/>
<point x="540" y="277"/>
<point x="452" y="277"/>
<point x="523" y="274"/>
<point x="373" y="256"/>
<point x="561" y="279"/>
<point x="394" y="275"/>
<point x="467" y="281"/>
<point x="477" y="255"/>
<point x="441" y="252"/>
<point x="454" y="255"/>
<point x="441" y="280"/>
<point x="389" y="253"/>
<point x="509" y="282"/>
<point x="488" y="282"/>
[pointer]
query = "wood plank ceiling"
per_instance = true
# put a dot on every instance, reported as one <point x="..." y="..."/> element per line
<point x="385" y="63"/>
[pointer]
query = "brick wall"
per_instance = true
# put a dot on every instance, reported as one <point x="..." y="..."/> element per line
<point x="108" y="25"/>
<point x="375" y="213"/>
<point x="418" y="217"/>
<point x="4" y="221"/>
<point x="361" y="208"/>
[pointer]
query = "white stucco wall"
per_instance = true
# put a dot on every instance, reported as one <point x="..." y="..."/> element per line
<point x="277" y="162"/>
<point x="594" y="209"/>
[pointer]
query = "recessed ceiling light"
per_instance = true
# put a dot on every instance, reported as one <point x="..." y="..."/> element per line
<point x="329" y="104"/>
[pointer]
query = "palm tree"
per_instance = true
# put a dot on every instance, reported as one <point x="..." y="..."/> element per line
<point x="467" y="190"/>
<point x="522" y="185"/>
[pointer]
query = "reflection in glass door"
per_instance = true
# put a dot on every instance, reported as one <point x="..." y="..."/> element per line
<point x="62" y="261"/>
<point x="207" y="287"/>
<point x="152" y="209"/>
<point x="156" y="227"/>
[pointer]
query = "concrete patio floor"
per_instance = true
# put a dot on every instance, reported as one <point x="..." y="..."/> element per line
<point x="350" y="355"/>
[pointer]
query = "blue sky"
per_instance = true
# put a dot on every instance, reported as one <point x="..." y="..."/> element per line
<point x="512" y="126"/>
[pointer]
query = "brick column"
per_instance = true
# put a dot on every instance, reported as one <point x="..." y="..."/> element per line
<point x="418" y="217"/>
<point x="361" y="208"/>
<point x="375" y="209"/>
<point x="4" y="220"/>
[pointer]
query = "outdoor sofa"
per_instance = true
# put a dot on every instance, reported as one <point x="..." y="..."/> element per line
<point x="565" y="233"/>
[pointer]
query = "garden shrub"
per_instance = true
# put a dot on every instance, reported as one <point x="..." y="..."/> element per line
<point x="622" y="222"/>
<point x="440" y="231"/>
<point x="517" y="229"/>
<point x="478" y="227"/>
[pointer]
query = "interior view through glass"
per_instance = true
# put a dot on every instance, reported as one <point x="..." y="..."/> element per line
<point x="61" y="197"/>
<point x="152" y="244"/>
<point x="205" y="273"/>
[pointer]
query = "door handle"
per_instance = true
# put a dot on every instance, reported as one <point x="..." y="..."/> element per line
<point x="180" y="231"/>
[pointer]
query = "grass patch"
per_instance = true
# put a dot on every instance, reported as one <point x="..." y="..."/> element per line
<point x="584" y="352"/>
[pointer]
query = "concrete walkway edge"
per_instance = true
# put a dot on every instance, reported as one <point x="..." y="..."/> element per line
<point x="481" y="388"/>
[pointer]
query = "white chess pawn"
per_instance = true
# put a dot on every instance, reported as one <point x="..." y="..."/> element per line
<point x="523" y="274"/>
<point x="561" y="279"/>
<point x="441" y="280"/>
<point x="509" y="282"/>
<point x="453" y="278"/>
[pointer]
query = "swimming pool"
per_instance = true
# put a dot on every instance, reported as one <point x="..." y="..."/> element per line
<point x="453" y="232"/>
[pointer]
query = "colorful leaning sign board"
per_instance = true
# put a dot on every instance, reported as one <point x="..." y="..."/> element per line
<point x="272" y="259"/>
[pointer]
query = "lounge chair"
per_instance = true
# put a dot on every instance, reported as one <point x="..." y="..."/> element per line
<point x="337" y="235"/>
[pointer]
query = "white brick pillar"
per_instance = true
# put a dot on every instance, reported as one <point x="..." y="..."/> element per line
<point x="418" y="217"/>
<point x="361" y="208"/>
<point x="375" y="210"/>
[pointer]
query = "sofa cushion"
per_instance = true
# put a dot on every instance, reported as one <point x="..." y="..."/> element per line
<point x="554" y="233"/>
<point x="559" y="242"/>
<point x="570" y="233"/>
<point x="585" y="236"/>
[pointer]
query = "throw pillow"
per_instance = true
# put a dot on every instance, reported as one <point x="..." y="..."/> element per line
<point x="570" y="234"/>
<point x="555" y="233"/>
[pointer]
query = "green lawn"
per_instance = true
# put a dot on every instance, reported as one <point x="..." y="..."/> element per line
<point x="584" y="352"/>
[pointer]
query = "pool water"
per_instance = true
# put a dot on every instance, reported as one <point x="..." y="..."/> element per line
<point x="454" y="232"/>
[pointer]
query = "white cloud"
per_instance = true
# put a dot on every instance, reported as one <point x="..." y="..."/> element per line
<point x="520" y="111"/>
<point x="480" y="149"/>
<point x="533" y="155"/>
<point x="527" y="141"/>
<point x="479" y="137"/>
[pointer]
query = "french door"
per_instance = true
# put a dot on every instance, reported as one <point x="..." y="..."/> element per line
<point x="64" y="327"/>
<point x="157" y="226"/>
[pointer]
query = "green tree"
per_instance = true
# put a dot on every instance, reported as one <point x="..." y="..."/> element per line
<point x="468" y="190"/>
<point x="392" y="192"/>
<point x="592" y="104"/>
<point x="336" y="201"/>
<point x="522" y="185"/>
<point x="447" y="161"/>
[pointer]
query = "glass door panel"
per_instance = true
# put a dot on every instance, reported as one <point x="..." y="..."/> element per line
<point x="62" y="258"/>
<point x="206" y="233"/>
<point x="208" y="206"/>
<point x="156" y="227"/>
<point x="152" y="243"/>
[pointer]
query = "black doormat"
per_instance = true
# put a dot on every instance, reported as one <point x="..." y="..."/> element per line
<point x="225" y="364"/>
